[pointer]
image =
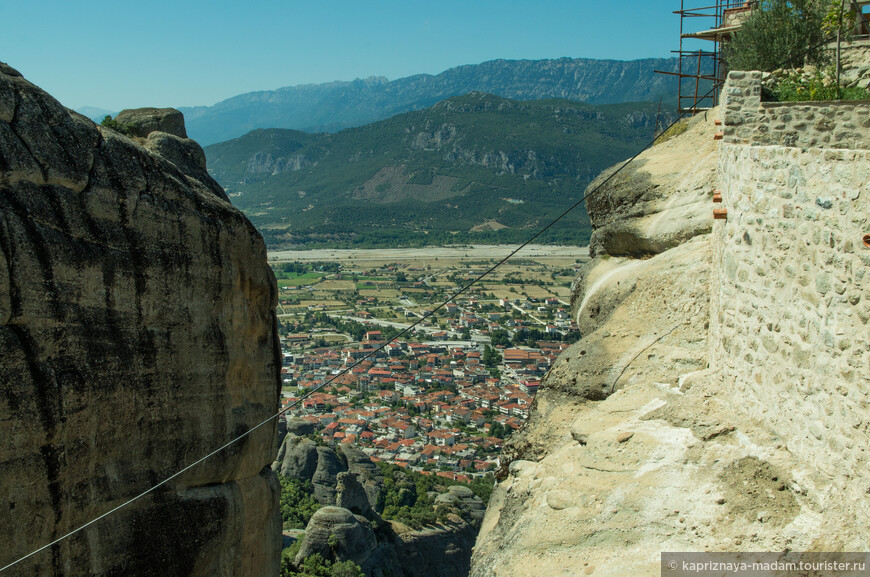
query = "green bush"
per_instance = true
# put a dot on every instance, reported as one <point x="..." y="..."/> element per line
<point x="346" y="569"/>
<point x="317" y="566"/>
<point x="779" y="33"/>
<point x="297" y="504"/>
<point x="795" y="88"/>
<point x="109" y="122"/>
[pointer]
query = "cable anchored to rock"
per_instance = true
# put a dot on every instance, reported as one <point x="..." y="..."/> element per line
<point x="372" y="353"/>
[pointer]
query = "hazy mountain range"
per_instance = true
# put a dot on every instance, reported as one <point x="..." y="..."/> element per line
<point x="94" y="113"/>
<point x="479" y="153"/>
<point x="333" y="106"/>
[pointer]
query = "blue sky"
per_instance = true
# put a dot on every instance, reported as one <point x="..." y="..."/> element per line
<point x="188" y="52"/>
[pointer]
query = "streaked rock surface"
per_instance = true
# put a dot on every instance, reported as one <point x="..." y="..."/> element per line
<point x="137" y="334"/>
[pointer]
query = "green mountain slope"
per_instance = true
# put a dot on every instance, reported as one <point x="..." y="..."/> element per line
<point x="474" y="168"/>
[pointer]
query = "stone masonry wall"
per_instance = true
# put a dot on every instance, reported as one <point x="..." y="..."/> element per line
<point x="807" y="124"/>
<point x="790" y="299"/>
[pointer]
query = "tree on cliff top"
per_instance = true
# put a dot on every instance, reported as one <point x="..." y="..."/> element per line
<point x="779" y="34"/>
<point x="317" y="566"/>
<point x="297" y="504"/>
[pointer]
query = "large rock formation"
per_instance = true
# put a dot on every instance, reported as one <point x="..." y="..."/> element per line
<point x="137" y="334"/>
<point x="685" y="422"/>
<point x="612" y="462"/>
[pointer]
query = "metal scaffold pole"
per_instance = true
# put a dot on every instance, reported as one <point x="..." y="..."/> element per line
<point x="704" y="66"/>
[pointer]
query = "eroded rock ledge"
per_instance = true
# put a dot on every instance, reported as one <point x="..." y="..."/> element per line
<point x="137" y="333"/>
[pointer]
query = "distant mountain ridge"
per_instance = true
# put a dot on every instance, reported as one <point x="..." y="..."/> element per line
<point x="472" y="168"/>
<point x="94" y="113"/>
<point x="337" y="105"/>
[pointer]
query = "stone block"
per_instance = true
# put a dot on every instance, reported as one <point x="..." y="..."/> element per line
<point x="823" y="282"/>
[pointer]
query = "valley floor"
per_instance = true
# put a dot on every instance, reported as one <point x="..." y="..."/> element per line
<point x="453" y="252"/>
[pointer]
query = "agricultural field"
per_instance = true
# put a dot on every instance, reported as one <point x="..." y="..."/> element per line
<point x="336" y="285"/>
<point x="501" y="291"/>
<point x="395" y="288"/>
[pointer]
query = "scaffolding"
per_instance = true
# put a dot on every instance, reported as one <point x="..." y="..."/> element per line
<point x="701" y="70"/>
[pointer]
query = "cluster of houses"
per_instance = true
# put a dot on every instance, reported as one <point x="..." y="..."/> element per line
<point x="433" y="405"/>
<point x="428" y="406"/>
<point x="471" y="316"/>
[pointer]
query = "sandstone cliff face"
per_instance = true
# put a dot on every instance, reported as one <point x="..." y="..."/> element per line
<point x="714" y="402"/>
<point x="137" y="333"/>
<point x="630" y="451"/>
<point x="592" y="484"/>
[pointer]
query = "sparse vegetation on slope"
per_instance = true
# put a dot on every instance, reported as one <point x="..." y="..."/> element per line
<point x="109" y="122"/>
<point x="407" y="498"/>
<point x="297" y="504"/>
<point x="317" y="566"/>
<point x="797" y="87"/>
<point x="674" y="130"/>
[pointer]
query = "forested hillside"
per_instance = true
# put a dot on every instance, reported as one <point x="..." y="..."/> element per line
<point x="473" y="168"/>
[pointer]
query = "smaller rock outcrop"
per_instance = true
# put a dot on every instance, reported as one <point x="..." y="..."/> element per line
<point x="351" y="495"/>
<point x="143" y="121"/>
<point x="300" y="427"/>
<point x="464" y="499"/>
<point x="161" y="131"/>
<point x="338" y="534"/>
<point x="301" y="458"/>
<point x="297" y="458"/>
<point x="349" y="527"/>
